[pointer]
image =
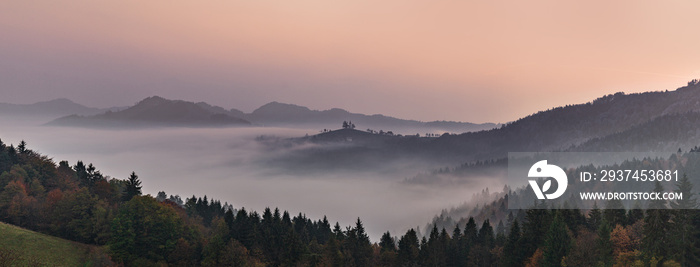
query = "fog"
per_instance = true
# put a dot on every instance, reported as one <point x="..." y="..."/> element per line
<point x="228" y="164"/>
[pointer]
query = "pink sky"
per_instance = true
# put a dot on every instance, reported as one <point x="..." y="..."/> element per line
<point x="429" y="60"/>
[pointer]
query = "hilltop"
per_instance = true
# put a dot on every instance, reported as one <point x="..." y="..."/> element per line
<point x="580" y="126"/>
<point x="56" y="107"/>
<point x="157" y="111"/>
<point x="289" y="115"/>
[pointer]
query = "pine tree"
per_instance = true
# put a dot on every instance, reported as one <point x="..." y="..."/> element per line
<point x="685" y="187"/>
<point x="615" y="213"/>
<point x="435" y="248"/>
<point x="408" y="249"/>
<point x="358" y="245"/>
<point x="133" y="187"/>
<point x="572" y="217"/>
<point x="556" y="243"/>
<point x="635" y="213"/>
<point x="470" y="232"/>
<point x="229" y="220"/>
<point x="338" y="232"/>
<point x="423" y="253"/>
<point x="81" y="171"/>
<point x="512" y="255"/>
<point x="605" y="246"/>
<point x="480" y="253"/>
<point x="22" y="147"/>
<point x="500" y="234"/>
<point x="485" y="236"/>
<point x="386" y="243"/>
<point x="656" y="226"/>
<point x="682" y="231"/>
<point x="535" y="229"/>
<point x="594" y="217"/>
<point x="387" y="250"/>
<point x="456" y="256"/>
<point x="443" y="244"/>
<point x="12" y="154"/>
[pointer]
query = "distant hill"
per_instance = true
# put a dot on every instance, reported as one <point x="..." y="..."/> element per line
<point x="643" y="118"/>
<point x="160" y="111"/>
<point x="157" y="111"/>
<point x="281" y="114"/>
<point x="22" y="247"/>
<point x="57" y="107"/>
<point x="562" y="127"/>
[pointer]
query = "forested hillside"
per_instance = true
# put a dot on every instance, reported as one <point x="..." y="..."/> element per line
<point x="639" y="121"/>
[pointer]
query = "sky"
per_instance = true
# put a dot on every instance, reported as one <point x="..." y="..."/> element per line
<point x="477" y="61"/>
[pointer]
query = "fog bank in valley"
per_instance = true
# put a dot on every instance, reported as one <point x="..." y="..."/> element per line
<point x="228" y="164"/>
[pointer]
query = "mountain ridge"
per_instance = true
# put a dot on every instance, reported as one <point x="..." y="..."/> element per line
<point x="287" y="114"/>
<point x="555" y="129"/>
<point x="271" y="114"/>
<point x="156" y="111"/>
<point x="55" y="107"/>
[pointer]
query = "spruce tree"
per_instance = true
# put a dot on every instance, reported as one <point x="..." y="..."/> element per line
<point x="556" y="243"/>
<point x="594" y="217"/>
<point x="535" y="229"/>
<point x="500" y="234"/>
<point x="656" y="225"/>
<point x="408" y="249"/>
<point x="133" y="187"/>
<point x="360" y="246"/>
<point x="456" y="255"/>
<point x="386" y="243"/>
<point x="684" y="235"/>
<point x="22" y="147"/>
<point x="338" y="232"/>
<point x="470" y="233"/>
<point x="635" y="213"/>
<point x="615" y="213"/>
<point x="605" y="246"/>
<point x="512" y="254"/>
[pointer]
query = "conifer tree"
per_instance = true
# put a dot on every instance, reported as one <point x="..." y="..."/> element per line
<point x="656" y="226"/>
<point x="605" y="246"/>
<point x="133" y="187"/>
<point x="408" y="249"/>
<point x="556" y="243"/>
<point x="594" y="217"/>
<point x="22" y="147"/>
<point x="615" y="213"/>
<point x="386" y="243"/>
<point x="684" y="235"/>
<point x="456" y="250"/>
<point x="512" y="253"/>
<point x="360" y="246"/>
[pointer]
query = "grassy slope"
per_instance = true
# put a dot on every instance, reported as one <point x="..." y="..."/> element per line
<point x="39" y="248"/>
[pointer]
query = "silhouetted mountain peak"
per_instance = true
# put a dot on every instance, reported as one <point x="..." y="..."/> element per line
<point x="153" y="101"/>
<point x="295" y="115"/>
<point x="277" y="107"/>
<point x="55" y="107"/>
<point x="156" y="110"/>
